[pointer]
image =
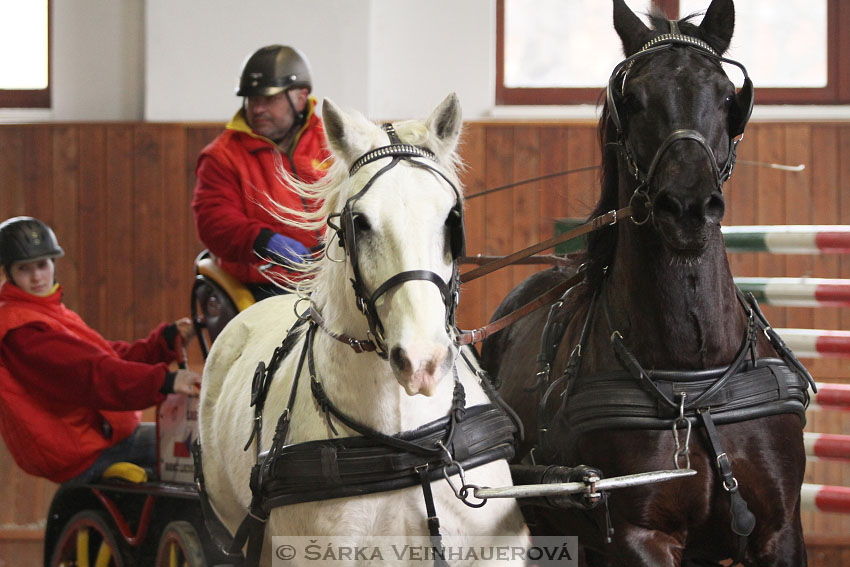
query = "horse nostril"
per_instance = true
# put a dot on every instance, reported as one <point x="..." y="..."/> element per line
<point x="398" y="357"/>
<point x="668" y="204"/>
<point x="715" y="207"/>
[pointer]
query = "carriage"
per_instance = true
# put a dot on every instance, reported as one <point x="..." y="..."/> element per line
<point x="340" y="482"/>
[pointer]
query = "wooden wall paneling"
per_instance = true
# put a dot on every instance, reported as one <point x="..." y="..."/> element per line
<point x="66" y="172"/>
<point x="825" y="210"/>
<point x="177" y="219"/>
<point x="583" y="189"/>
<point x="552" y="203"/>
<point x="526" y="197"/>
<point x="843" y="190"/>
<point x="197" y="137"/>
<point x="21" y="552"/>
<point x="8" y="480"/>
<point x="38" y="171"/>
<point x="741" y="196"/>
<point x="148" y="209"/>
<point x="92" y="223"/>
<point x="498" y="231"/>
<point x="472" y="312"/>
<point x="119" y="228"/>
<point x="798" y="210"/>
<point x="770" y="208"/>
<point x="11" y="174"/>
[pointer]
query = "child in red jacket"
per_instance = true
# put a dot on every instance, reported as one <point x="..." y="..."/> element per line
<point x="69" y="399"/>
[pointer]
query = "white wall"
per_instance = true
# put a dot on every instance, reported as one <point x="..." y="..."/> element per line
<point x="195" y="51"/>
<point x="386" y="58"/>
<point x="178" y="60"/>
<point x="97" y="70"/>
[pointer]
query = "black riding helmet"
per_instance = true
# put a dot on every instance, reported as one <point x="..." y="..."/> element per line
<point x="272" y="69"/>
<point x="25" y="239"/>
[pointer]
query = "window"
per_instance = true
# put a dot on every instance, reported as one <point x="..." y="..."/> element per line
<point x="25" y="45"/>
<point x="562" y="51"/>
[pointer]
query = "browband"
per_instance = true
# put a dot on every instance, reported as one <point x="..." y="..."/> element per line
<point x="394" y="150"/>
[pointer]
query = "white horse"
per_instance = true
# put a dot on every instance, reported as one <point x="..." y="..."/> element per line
<point x="404" y="222"/>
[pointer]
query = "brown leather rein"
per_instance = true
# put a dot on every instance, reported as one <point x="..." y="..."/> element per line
<point x="477" y="335"/>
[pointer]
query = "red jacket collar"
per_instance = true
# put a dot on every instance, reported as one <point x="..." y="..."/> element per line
<point x="11" y="292"/>
<point x="254" y="141"/>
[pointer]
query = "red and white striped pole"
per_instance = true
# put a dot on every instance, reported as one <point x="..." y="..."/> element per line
<point x="816" y="343"/>
<point x="797" y="292"/>
<point x="825" y="498"/>
<point x="832" y="396"/>
<point x="788" y="239"/>
<point x="827" y="446"/>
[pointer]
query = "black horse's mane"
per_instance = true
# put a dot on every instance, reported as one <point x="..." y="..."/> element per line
<point x="602" y="243"/>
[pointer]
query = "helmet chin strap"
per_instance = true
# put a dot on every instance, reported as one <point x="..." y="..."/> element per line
<point x="297" y="119"/>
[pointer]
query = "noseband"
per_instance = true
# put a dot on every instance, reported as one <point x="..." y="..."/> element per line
<point x="744" y="100"/>
<point x="366" y="300"/>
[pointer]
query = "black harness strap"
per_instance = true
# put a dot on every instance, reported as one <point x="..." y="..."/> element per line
<point x="435" y="536"/>
<point x="743" y="521"/>
<point x="252" y="529"/>
<point x="328" y="408"/>
<point x="219" y="534"/>
<point x="262" y="380"/>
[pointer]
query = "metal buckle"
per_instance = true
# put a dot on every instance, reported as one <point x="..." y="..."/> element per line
<point x="682" y="450"/>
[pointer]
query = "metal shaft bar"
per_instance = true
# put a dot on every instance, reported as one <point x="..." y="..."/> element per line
<point x="535" y="490"/>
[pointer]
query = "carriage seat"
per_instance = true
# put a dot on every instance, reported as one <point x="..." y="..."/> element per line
<point x="128" y="472"/>
<point x="237" y="291"/>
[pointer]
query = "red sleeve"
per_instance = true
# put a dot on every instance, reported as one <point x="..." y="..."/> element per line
<point x="220" y="219"/>
<point x="152" y="349"/>
<point x="62" y="368"/>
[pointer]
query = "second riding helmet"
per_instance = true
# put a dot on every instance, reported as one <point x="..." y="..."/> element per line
<point x="24" y="239"/>
<point x="272" y="69"/>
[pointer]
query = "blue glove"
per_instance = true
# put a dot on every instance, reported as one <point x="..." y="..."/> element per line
<point x="286" y="248"/>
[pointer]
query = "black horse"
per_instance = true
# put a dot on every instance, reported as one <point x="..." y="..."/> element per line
<point x="656" y="349"/>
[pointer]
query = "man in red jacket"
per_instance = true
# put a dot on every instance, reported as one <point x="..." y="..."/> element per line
<point x="69" y="399"/>
<point x="238" y="173"/>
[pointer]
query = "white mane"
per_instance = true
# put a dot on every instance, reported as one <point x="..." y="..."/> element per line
<point x="336" y="187"/>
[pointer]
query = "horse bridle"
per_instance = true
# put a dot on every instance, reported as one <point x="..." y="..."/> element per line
<point x="346" y="233"/>
<point x="744" y="100"/>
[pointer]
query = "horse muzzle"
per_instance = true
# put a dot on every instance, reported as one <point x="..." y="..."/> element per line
<point x="420" y="368"/>
<point x="684" y="220"/>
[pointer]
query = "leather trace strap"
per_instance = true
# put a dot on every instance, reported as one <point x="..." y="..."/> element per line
<point x="477" y="335"/>
<point x="610" y="218"/>
<point x="481" y="333"/>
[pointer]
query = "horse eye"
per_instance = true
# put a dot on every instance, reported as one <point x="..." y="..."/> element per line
<point x="361" y="223"/>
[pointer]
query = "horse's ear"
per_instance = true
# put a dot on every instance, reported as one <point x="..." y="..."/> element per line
<point x="343" y="132"/>
<point x="718" y="24"/>
<point x="444" y="124"/>
<point x="334" y="122"/>
<point x="632" y="31"/>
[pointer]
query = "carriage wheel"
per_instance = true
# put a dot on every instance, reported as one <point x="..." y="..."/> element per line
<point x="87" y="541"/>
<point x="211" y="310"/>
<point x="179" y="546"/>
